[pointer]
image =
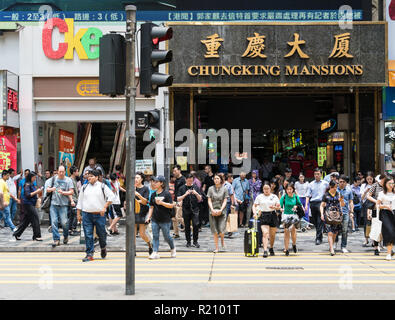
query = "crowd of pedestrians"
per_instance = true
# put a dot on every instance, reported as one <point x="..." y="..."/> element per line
<point x="287" y="198"/>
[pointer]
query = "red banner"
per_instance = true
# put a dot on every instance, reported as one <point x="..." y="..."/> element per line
<point x="66" y="141"/>
<point x="8" y="152"/>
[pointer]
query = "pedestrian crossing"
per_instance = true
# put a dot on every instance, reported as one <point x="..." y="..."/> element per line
<point x="189" y="268"/>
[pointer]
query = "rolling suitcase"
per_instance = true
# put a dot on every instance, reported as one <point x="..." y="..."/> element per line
<point x="251" y="248"/>
<point x="259" y="230"/>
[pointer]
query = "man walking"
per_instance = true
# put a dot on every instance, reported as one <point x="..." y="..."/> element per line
<point x="179" y="182"/>
<point x="189" y="195"/>
<point x="318" y="188"/>
<point x="5" y="201"/>
<point x="94" y="199"/>
<point x="61" y="188"/>
<point x="347" y="210"/>
<point x="11" y="182"/>
<point x="241" y="188"/>
<point x="72" y="214"/>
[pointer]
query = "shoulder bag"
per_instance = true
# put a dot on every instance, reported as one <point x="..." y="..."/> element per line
<point x="375" y="230"/>
<point x="48" y="198"/>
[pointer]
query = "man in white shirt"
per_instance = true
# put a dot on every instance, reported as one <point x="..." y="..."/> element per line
<point x="93" y="201"/>
<point x="11" y="182"/>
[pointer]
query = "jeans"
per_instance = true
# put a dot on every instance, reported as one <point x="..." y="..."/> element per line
<point x="72" y="216"/>
<point x="306" y="215"/>
<point x="30" y="217"/>
<point x="346" y="219"/>
<point x="89" y="220"/>
<point x="193" y="216"/>
<point x="357" y="217"/>
<point x="7" y="217"/>
<point x="165" y="226"/>
<point x="59" y="213"/>
<point x="13" y="206"/>
<point x="316" y="217"/>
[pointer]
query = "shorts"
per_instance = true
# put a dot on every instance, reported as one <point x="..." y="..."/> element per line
<point x="333" y="228"/>
<point x="139" y="218"/>
<point x="116" y="210"/>
<point x="289" y="220"/>
<point x="242" y="207"/>
<point x="218" y="223"/>
<point x="269" y="219"/>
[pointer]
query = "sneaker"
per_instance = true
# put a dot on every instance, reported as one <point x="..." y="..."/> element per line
<point x="188" y="245"/>
<point x="265" y="254"/>
<point x="65" y="240"/>
<point x="196" y="245"/>
<point x="376" y="252"/>
<point x="154" y="255"/>
<point x="87" y="258"/>
<point x="294" y="248"/>
<point x="344" y="250"/>
<point x="14" y="230"/>
<point x="173" y="253"/>
<point x="55" y="243"/>
<point x="388" y="257"/>
<point x="271" y="251"/>
<point x="103" y="253"/>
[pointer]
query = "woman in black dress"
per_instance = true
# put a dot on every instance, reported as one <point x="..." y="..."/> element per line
<point x="333" y="201"/>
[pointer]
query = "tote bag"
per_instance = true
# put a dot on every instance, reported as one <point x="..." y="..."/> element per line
<point x="375" y="230"/>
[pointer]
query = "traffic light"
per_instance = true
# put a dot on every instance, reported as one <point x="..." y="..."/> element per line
<point x="152" y="57"/>
<point x="154" y="123"/>
<point x="112" y="60"/>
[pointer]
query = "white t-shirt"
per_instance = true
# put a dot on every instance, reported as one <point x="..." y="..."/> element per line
<point x="302" y="189"/>
<point x="265" y="202"/>
<point x="387" y="199"/>
<point x="116" y="185"/>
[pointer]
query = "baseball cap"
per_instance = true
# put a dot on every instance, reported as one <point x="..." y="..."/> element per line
<point x="159" y="178"/>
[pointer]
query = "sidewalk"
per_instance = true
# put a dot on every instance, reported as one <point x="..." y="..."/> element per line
<point x="305" y="242"/>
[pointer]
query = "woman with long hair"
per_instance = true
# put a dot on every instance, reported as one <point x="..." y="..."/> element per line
<point x="386" y="203"/>
<point x="29" y="206"/>
<point x="366" y="213"/>
<point x="290" y="219"/>
<point x="217" y="199"/>
<point x="303" y="191"/>
<point x="332" y="200"/>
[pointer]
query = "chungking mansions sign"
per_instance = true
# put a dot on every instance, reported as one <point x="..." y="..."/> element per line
<point x="279" y="54"/>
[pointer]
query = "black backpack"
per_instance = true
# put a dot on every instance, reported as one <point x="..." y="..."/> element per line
<point x="355" y="199"/>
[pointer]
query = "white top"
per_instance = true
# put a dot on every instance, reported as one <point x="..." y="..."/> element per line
<point x="265" y="202"/>
<point x="91" y="197"/>
<point x="365" y="187"/>
<point x="387" y="199"/>
<point x="302" y="189"/>
<point x="11" y="182"/>
<point x="116" y="185"/>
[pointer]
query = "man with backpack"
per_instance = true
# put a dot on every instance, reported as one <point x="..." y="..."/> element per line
<point x="94" y="199"/>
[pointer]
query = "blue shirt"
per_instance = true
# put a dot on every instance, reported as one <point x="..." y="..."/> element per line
<point x="357" y="191"/>
<point x="347" y="194"/>
<point x="230" y="190"/>
<point x="238" y="186"/>
<point x="22" y="183"/>
<point x="317" y="190"/>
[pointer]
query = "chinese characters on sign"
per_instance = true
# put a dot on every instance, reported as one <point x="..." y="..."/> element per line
<point x="12" y="100"/>
<point x="66" y="149"/>
<point x="212" y="44"/>
<point x="255" y="46"/>
<point x="8" y="152"/>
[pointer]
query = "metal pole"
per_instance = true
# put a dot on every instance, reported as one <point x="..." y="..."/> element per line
<point x="130" y="147"/>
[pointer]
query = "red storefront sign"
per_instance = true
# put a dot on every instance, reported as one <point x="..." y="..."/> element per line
<point x="12" y="100"/>
<point x="8" y="152"/>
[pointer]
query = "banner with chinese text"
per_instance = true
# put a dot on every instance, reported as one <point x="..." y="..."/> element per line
<point x="8" y="152"/>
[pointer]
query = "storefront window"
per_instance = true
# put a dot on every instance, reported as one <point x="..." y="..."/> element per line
<point x="389" y="147"/>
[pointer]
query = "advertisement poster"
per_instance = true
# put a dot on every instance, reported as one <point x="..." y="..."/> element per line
<point x="8" y="152"/>
<point x="142" y="165"/>
<point x="66" y="150"/>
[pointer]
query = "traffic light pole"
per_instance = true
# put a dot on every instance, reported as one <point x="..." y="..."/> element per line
<point x="130" y="92"/>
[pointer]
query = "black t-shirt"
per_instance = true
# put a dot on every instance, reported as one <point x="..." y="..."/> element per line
<point x="161" y="214"/>
<point x="190" y="202"/>
<point x="144" y="191"/>
<point x="179" y="183"/>
<point x="208" y="181"/>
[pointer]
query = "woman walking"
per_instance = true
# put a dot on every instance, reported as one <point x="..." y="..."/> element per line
<point x="366" y="213"/>
<point x="386" y="203"/>
<point x="255" y="184"/>
<point x="332" y="201"/>
<point x="303" y="191"/>
<point x="289" y="219"/>
<point x="264" y="208"/>
<point x="217" y="199"/>
<point x="29" y="203"/>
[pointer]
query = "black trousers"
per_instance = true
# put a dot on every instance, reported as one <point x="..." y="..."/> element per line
<point x="316" y="217"/>
<point x="191" y="216"/>
<point x="203" y="212"/>
<point x="30" y="217"/>
<point x="72" y="216"/>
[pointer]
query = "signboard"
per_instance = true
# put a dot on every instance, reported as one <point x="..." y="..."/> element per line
<point x="143" y="165"/>
<point x="9" y="99"/>
<point x="280" y="54"/>
<point x="321" y="156"/>
<point x="66" y="149"/>
<point x="8" y="152"/>
<point x="190" y="15"/>
<point x="389" y="103"/>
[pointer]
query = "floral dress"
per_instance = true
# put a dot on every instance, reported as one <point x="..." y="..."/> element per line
<point x="332" y="201"/>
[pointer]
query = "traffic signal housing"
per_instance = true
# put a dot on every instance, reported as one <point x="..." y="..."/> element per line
<point x="112" y="64"/>
<point x="151" y="57"/>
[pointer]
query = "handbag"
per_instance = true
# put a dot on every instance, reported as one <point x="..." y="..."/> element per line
<point x="48" y="198"/>
<point x="375" y="229"/>
<point x="300" y="211"/>
<point x="38" y="203"/>
<point x="231" y="223"/>
<point x="333" y="216"/>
